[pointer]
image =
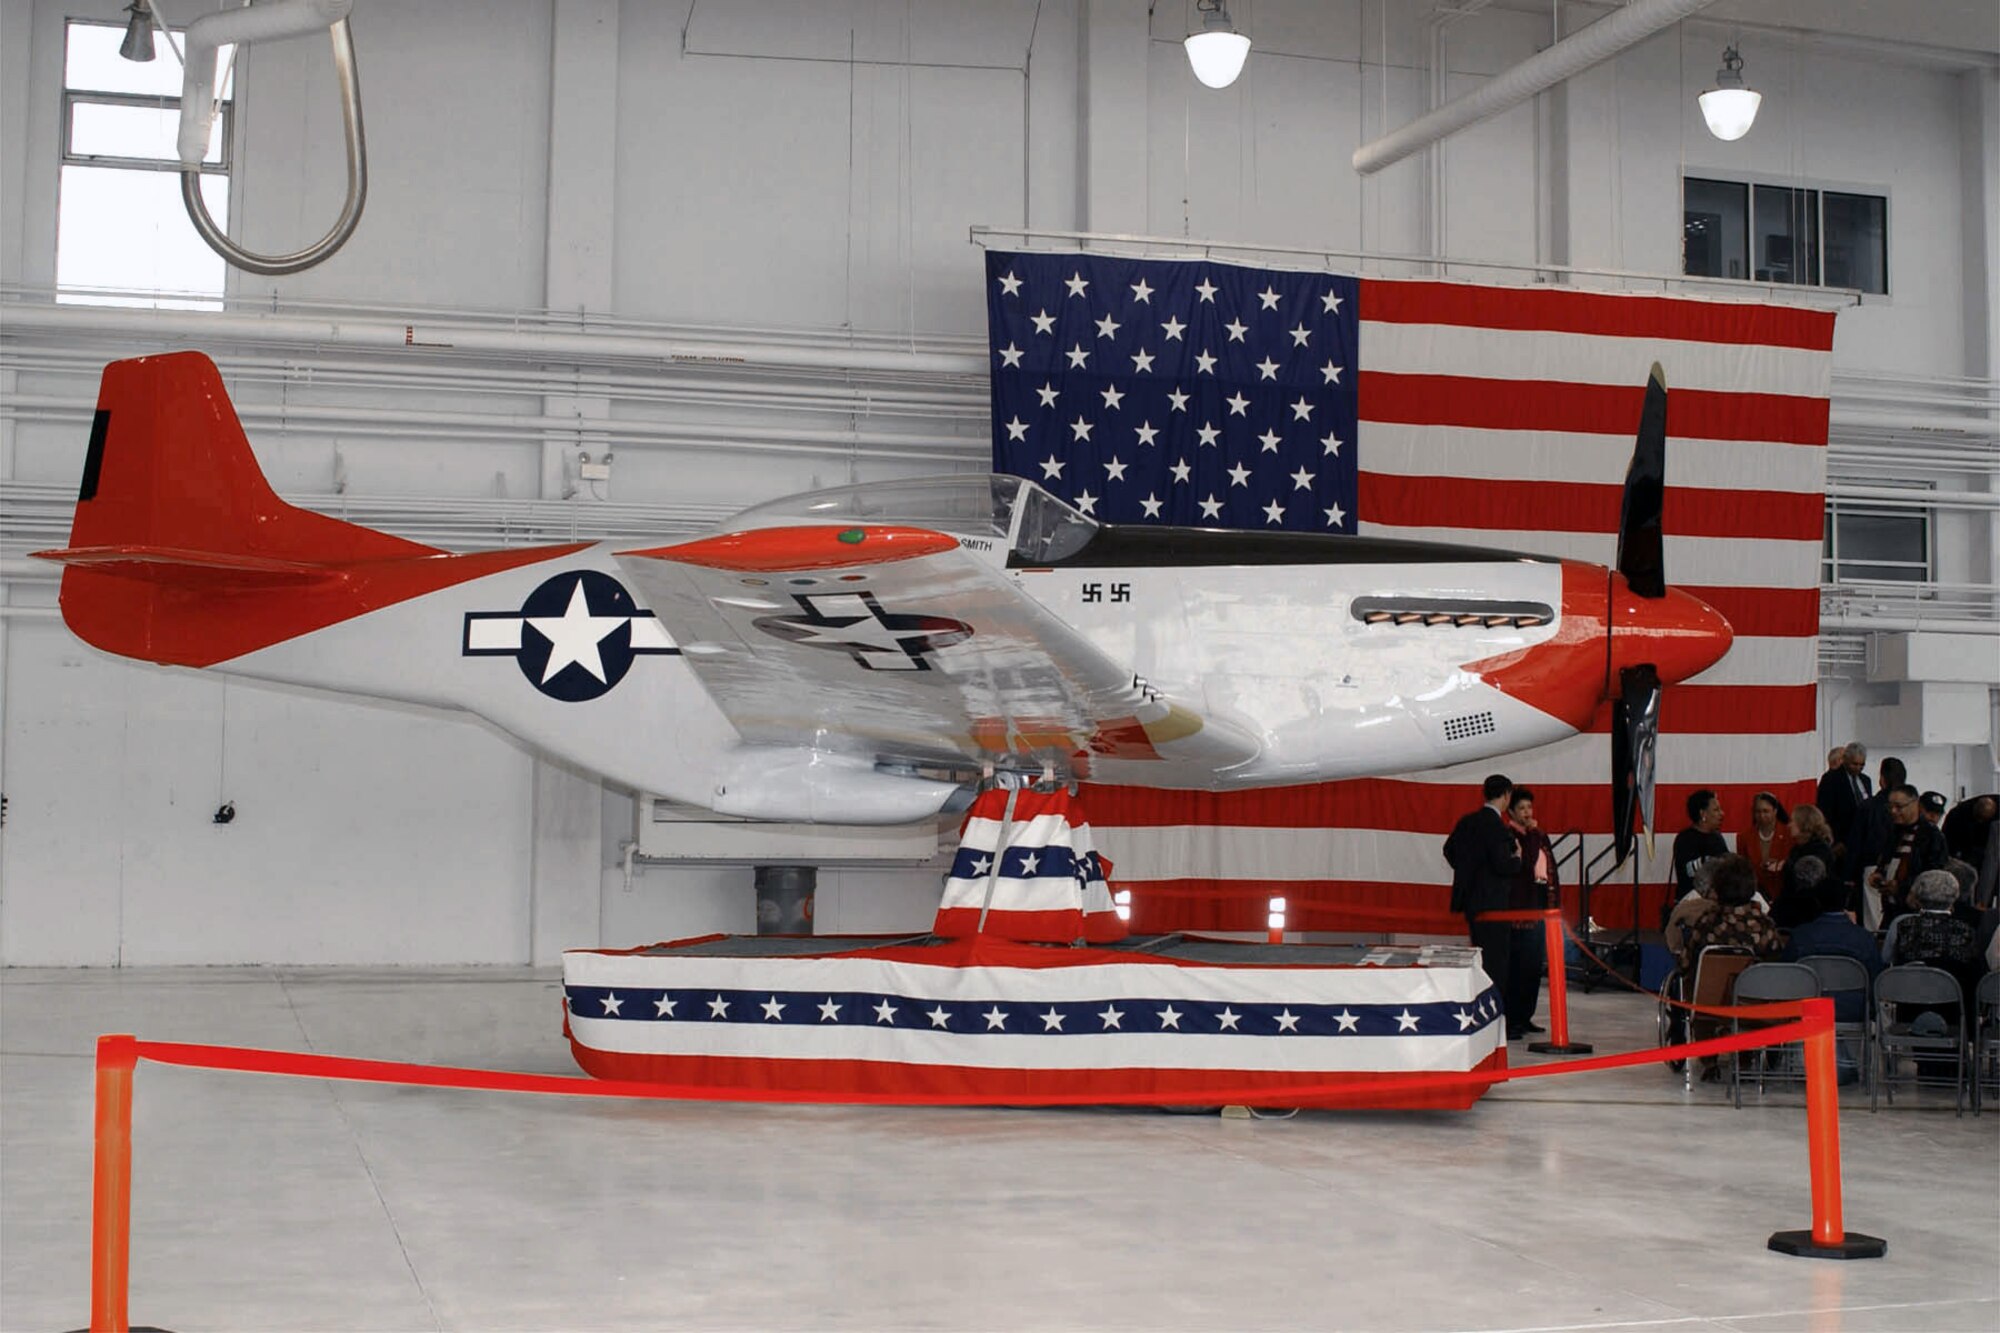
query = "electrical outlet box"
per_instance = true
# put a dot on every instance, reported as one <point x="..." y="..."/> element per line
<point x="589" y="471"/>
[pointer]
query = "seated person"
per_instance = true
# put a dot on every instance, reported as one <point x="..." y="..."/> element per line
<point x="1798" y="901"/>
<point x="1697" y="903"/>
<point x="1935" y="937"/>
<point x="1832" y="931"/>
<point x="1736" y="919"/>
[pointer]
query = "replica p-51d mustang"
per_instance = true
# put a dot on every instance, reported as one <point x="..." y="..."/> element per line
<point x="860" y="655"/>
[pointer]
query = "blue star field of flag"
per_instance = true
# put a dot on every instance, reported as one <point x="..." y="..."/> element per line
<point x="1078" y="1017"/>
<point x="1175" y="392"/>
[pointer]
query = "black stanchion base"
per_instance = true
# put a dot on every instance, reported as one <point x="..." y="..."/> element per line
<point x="1853" y="1245"/>
<point x="1567" y="1048"/>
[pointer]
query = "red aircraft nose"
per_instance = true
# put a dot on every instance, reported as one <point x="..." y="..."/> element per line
<point x="1679" y="634"/>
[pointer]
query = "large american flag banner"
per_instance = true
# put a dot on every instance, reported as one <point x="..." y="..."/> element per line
<point x="1193" y="392"/>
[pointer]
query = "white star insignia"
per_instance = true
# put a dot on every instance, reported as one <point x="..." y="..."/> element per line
<point x="1087" y="503"/>
<point x="1288" y="1021"/>
<point x="1113" y="395"/>
<point x="1267" y="369"/>
<point x="1010" y="356"/>
<point x="995" y="1020"/>
<point x="1142" y="362"/>
<point x="1207" y="289"/>
<point x="1301" y="335"/>
<point x="1047" y="393"/>
<point x="1146" y="432"/>
<point x="1112" y="1017"/>
<point x="1204" y="364"/>
<point x="1274" y="512"/>
<point x="1406" y="1022"/>
<point x="1181" y="470"/>
<point x="885" y="1012"/>
<point x="1114" y="470"/>
<point x="1239" y="406"/>
<point x="1052" y="1021"/>
<point x="1173" y="328"/>
<point x="1151" y="504"/>
<point x="664" y="1007"/>
<point x="1033" y="860"/>
<point x="1108" y="327"/>
<point x="1017" y="429"/>
<point x="829" y="1012"/>
<point x="1348" y="1022"/>
<point x="1211" y="507"/>
<point x="938" y="1017"/>
<point x="980" y="865"/>
<point x="1077" y="357"/>
<point x="718" y="1007"/>
<point x="1239" y="475"/>
<point x="1077" y="283"/>
<point x="1044" y="322"/>
<point x="574" y="636"/>
<point x="1331" y="442"/>
<point x="1335" y="516"/>
<point x="772" y="1009"/>
<point x="1302" y="410"/>
<point x="1170" y="1017"/>
<point x="1330" y="373"/>
<point x="1465" y="1020"/>
<point x="1302" y="480"/>
<point x="611" y="1003"/>
<point x="1080" y="428"/>
<point x="1228" y="1019"/>
<point x="1009" y="284"/>
<point x="1177" y="400"/>
<point x="1052" y="468"/>
<point x="1270" y="441"/>
<point x="1142" y="292"/>
<point x="1269" y="296"/>
<point x="1207" y="433"/>
<point x="1330" y="303"/>
<point x="1236" y="329"/>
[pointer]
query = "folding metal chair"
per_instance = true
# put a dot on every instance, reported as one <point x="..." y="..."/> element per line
<point x="1935" y="989"/>
<point x="1839" y="974"/>
<point x="1986" y="1038"/>
<point x="1766" y="983"/>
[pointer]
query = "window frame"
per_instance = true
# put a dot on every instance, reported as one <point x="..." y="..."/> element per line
<point x="1831" y="560"/>
<point x="1821" y="188"/>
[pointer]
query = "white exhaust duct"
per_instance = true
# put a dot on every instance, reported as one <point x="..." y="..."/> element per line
<point x="1511" y="87"/>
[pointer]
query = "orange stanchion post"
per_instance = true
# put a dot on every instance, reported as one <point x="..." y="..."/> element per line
<point x="1827" y="1239"/>
<point x="111" y="1184"/>
<point x="1558" y="1042"/>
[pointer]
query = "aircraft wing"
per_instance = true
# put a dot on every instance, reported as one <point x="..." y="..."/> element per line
<point x="899" y="641"/>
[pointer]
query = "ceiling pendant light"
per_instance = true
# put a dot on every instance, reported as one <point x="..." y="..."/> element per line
<point x="1729" y="107"/>
<point x="1218" y="51"/>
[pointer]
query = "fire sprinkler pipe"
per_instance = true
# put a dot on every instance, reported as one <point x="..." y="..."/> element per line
<point x="1572" y="55"/>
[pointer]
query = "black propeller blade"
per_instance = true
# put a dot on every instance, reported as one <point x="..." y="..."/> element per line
<point x="1635" y="739"/>
<point x="1641" y="554"/>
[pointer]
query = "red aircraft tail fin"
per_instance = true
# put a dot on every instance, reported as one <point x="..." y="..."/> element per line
<point x="178" y="540"/>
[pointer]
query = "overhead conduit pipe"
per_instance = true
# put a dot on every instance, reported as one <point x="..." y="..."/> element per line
<point x="1572" y="55"/>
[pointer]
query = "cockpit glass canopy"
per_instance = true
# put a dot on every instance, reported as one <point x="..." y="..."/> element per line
<point x="1042" y="528"/>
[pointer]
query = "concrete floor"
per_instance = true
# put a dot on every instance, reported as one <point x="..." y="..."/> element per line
<point x="1612" y="1200"/>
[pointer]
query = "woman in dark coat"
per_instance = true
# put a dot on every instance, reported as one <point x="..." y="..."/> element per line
<point x="1810" y="837"/>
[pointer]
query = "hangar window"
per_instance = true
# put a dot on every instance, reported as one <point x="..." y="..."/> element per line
<point x="1876" y="543"/>
<point x="1784" y="233"/>
<point x="122" y="236"/>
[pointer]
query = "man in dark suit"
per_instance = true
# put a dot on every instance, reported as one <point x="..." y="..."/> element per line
<point x="1843" y="787"/>
<point x="1485" y="859"/>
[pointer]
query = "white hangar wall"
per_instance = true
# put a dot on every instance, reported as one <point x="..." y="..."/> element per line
<point x="796" y="166"/>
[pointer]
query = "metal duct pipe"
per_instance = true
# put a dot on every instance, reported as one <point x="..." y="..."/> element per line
<point x="1510" y="87"/>
<point x="443" y="336"/>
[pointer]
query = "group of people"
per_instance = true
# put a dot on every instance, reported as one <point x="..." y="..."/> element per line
<point x="1885" y="875"/>
<point x="1501" y="860"/>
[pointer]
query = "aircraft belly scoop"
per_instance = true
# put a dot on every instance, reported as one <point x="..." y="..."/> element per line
<point x="902" y="643"/>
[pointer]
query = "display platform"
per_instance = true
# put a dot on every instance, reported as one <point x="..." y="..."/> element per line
<point x="1166" y="1016"/>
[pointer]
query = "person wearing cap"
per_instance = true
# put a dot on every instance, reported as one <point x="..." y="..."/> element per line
<point x="1932" y="803"/>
